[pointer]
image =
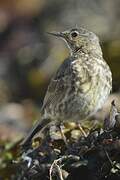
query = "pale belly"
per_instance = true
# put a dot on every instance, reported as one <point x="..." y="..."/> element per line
<point x="81" y="105"/>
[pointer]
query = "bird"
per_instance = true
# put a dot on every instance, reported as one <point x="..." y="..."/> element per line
<point x="80" y="86"/>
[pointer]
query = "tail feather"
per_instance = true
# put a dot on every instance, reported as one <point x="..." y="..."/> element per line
<point x="38" y="127"/>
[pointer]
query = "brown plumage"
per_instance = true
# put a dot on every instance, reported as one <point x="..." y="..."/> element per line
<point x="81" y="84"/>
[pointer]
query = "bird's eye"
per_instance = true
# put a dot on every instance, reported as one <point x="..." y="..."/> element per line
<point x="74" y="34"/>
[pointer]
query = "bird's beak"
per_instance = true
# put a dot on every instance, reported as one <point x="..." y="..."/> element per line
<point x="57" y="34"/>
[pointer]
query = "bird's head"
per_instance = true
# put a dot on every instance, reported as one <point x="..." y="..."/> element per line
<point x="79" y="39"/>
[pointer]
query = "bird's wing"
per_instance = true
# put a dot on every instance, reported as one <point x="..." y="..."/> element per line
<point x="63" y="80"/>
<point x="57" y="86"/>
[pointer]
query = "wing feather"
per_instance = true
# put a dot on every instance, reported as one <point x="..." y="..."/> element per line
<point x="57" y="86"/>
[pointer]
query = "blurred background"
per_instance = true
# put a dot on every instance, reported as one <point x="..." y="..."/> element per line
<point x="29" y="57"/>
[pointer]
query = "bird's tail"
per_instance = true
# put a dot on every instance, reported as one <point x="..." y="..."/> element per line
<point x="38" y="127"/>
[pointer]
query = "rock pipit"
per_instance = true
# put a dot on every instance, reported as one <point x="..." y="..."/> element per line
<point x="81" y="84"/>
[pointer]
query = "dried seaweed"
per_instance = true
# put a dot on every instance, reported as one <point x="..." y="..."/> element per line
<point x="95" y="156"/>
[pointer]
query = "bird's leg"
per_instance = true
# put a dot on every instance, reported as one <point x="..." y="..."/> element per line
<point x="81" y="130"/>
<point x="62" y="134"/>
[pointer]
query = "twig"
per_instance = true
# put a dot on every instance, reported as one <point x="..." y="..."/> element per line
<point x="57" y="167"/>
<point x="82" y="131"/>
<point x="63" y="136"/>
<point x="108" y="157"/>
